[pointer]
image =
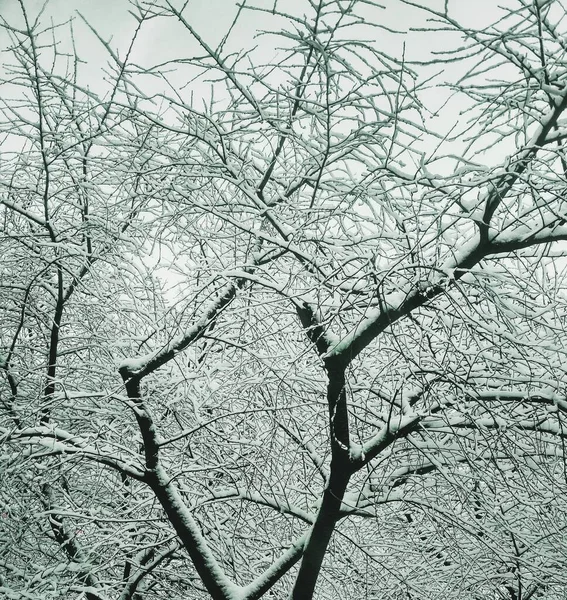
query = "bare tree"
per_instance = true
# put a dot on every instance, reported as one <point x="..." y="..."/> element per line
<point x="299" y="335"/>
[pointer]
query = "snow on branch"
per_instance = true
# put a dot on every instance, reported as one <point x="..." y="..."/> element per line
<point x="58" y="441"/>
<point x="141" y="366"/>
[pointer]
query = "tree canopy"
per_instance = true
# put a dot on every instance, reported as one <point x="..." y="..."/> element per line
<point x="283" y="315"/>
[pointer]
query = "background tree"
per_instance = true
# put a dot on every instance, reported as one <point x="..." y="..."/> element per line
<point x="292" y="335"/>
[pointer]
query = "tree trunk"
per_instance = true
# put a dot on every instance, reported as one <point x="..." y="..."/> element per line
<point x="322" y="531"/>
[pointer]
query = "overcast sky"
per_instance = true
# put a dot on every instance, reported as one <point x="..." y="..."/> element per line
<point x="211" y="19"/>
<point x="162" y="40"/>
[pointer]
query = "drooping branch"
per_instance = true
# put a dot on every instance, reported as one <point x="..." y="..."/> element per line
<point x="56" y="441"/>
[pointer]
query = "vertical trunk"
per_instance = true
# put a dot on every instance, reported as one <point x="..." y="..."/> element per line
<point x="340" y="472"/>
<point x="322" y="531"/>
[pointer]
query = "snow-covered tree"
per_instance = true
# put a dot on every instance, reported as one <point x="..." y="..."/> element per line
<point x="284" y="317"/>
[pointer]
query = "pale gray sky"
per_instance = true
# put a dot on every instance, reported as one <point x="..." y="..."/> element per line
<point x="212" y="18"/>
<point x="163" y="40"/>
